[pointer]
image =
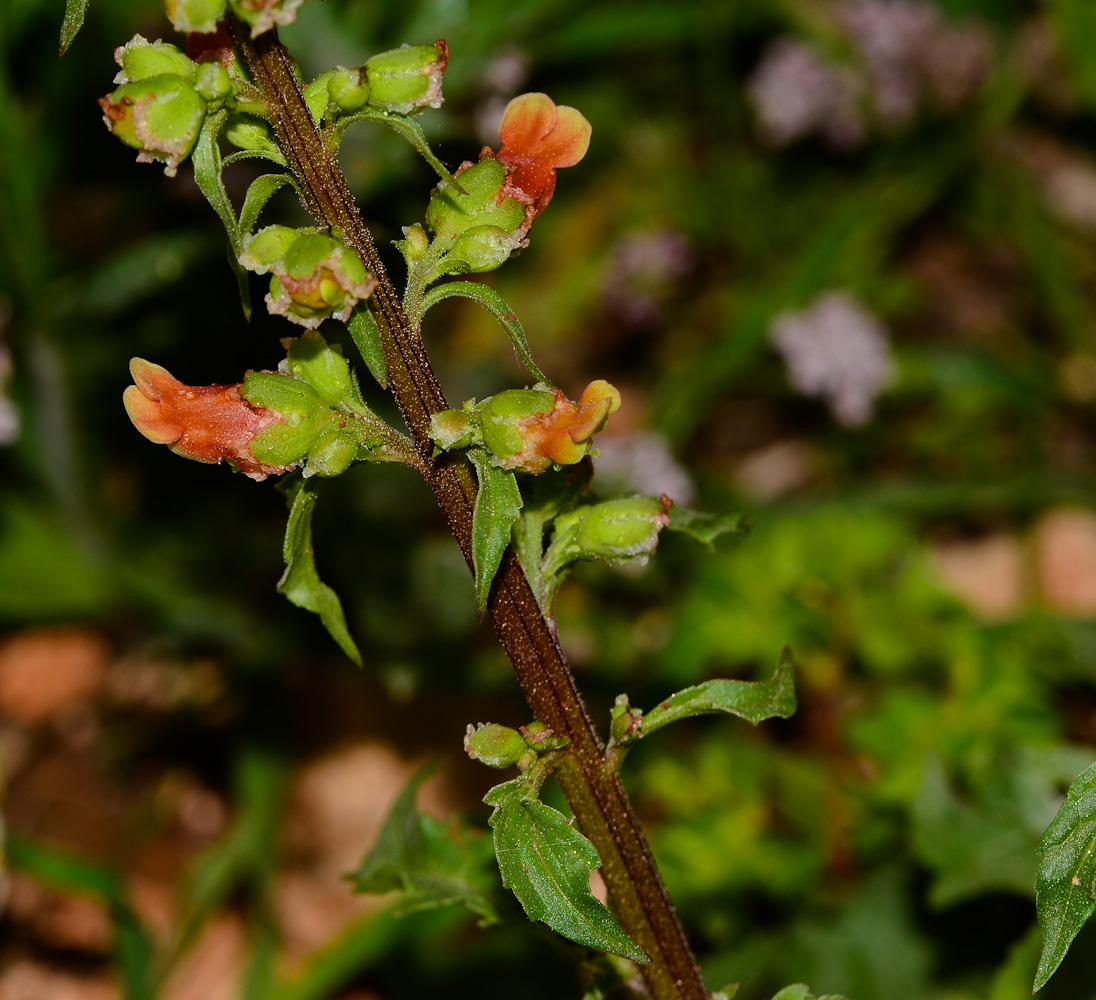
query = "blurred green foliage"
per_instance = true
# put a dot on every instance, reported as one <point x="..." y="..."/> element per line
<point x="879" y="844"/>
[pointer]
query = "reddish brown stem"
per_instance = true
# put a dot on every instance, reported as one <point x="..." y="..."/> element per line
<point x="588" y="779"/>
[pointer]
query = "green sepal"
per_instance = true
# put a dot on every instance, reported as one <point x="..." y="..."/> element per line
<point x="75" y="10"/>
<point x="268" y="248"/>
<point x="406" y="78"/>
<point x="300" y="582"/>
<point x="495" y="745"/>
<point x="161" y="116"/>
<point x="706" y="528"/>
<point x="450" y="213"/>
<point x="499" y="417"/>
<point x="1065" y="888"/>
<point x="367" y="337"/>
<point x="494" y="304"/>
<point x="753" y="701"/>
<point x="347" y="89"/>
<point x="498" y="505"/>
<point x="325" y="370"/>
<point x="213" y="82"/>
<point x="141" y="59"/>
<point x="433" y="863"/>
<point x="546" y="862"/>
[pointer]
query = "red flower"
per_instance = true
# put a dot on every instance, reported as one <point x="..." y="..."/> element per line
<point x="537" y="138"/>
<point x="208" y="423"/>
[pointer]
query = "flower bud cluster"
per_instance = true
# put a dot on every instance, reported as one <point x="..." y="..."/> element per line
<point x="204" y="15"/>
<point x="529" y="430"/>
<point x="400" y="81"/>
<point x="306" y="415"/>
<point x="162" y="100"/>
<point x="313" y="276"/>
<point x="500" y="746"/>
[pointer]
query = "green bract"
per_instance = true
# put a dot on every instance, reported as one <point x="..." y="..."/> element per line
<point x="451" y="213"/>
<point x="407" y="78"/>
<point x="161" y="116"/>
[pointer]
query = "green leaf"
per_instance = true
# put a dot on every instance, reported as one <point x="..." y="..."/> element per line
<point x="498" y="307"/>
<point x="498" y="504"/>
<point x="419" y="856"/>
<point x="547" y="864"/>
<point x="800" y="991"/>
<point x="258" y="194"/>
<point x="367" y="336"/>
<point x="74" y="21"/>
<point x="243" y="283"/>
<point x="753" y="701"/>
<point x="255" y="154"/>
<point x="1066" y="885"/>
<point x="705" y="527"/>
<point x="408" y="128"/>
<point x="207" y="174"/>
<point x="300" y="582"/>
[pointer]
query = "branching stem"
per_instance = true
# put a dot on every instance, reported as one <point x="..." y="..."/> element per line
<point x="588" y="779"/>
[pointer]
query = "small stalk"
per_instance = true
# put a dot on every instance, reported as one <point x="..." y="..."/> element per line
<point x="587" y="777"/>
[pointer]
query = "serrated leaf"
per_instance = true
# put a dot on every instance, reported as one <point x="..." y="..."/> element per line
<point x="301" y="583"/>
<point x="546" y="862"/>
<point x="498" y="505"/>
<point x="705" y="527"/>
<point x="498" y="307"/>
<point x="367" y="336"/>
<point x="753" y="701"/>
<point x="258" y="194"/>
<point x="417" y="855"/>
<point x="1065" y="888"/>
<point x="207" y="174"/>
<point x="73" y="22"/>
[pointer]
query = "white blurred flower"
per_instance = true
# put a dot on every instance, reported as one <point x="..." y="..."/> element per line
<point x="641" y="272"/>
<point x="641" y="461"/>
<point x="837" y="351"/>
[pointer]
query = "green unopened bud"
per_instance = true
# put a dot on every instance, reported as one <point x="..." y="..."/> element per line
<point x="213" y="82"/>
<point x="195" y="15"/>
<point x="331" y="453"/>
<point x="348" y="89"/>
<point x="483" y="248"/>
<point x="453" y="429"/>
<point x="494" y="745"/>
<point x="326" y="371"/>
<point x="161" y="116"/>
<point x="407" y="78"/>
<point x="141" y="59"/>
<point x="255" y="135"/>
<point x="451" y="213"/>
<point x="616" y="530"/>
<point x="414" y="244"/>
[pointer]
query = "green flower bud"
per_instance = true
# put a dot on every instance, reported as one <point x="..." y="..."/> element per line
<point x="453" y="429"/>
<point x="407" y="78"/>
<point x="616" y="530"/>
<point x="325" y="370"/>
<point x="451" y="213"/>
<point x="494" y="745"/>
<point x="141" y="59"/>
<point x="483" y="248"/>
<point x="253" y="134"/>
<point x="161" y="116"/>
<point x="213" y="82"/>
<point x="195" y="15"/>
<point x="332" y="452"/>
<point x="348" y="89"/>
<point x="540" y="737"/>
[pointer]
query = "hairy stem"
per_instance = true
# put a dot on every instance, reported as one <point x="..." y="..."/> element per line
<point x="588" y="779"/>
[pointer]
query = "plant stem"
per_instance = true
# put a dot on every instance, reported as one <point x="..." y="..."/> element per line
<point x="587" y="778"/>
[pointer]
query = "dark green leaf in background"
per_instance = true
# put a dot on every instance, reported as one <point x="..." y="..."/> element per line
<point x="547" y="863"/>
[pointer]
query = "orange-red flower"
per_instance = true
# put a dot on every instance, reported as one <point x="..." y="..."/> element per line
<point x="537" y="138"/>
<point x="208" y="423"/>
<point x="562" y="435"/>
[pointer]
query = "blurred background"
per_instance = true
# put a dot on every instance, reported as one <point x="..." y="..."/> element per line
<point x="838" y="256"/>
